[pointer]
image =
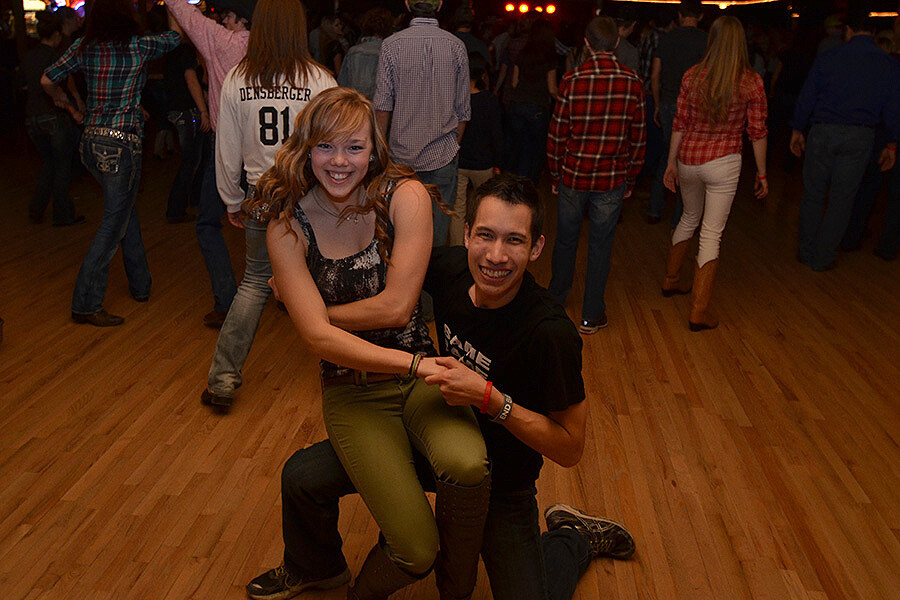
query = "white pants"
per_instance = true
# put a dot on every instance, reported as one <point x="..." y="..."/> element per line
<point x="707" y="191"/>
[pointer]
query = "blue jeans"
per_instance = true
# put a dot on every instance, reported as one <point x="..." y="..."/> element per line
<point x="520" y="562"/>
<point x="654" y="140"/>
<point x="658" y="191"/>
<point x="211" y="210"/>
<point x="190" y="140"/>
<point x="603" y="209"/>
<point x="445" y="180"/>
<point x="240" y="325"/>
<point x="835" y="162"/>
<point x="528" y="132"/>
<point x="56" y="139"/>
<point x="116" y="164"/>
<point x="865" y="201"/>
<point x="889" y="245"/>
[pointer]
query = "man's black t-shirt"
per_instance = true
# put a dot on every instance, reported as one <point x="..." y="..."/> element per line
<point x="34" y="64"/>
<point x="178" y="95"/>
<point x="528" y="349"/>
<point x="678" y="50"/>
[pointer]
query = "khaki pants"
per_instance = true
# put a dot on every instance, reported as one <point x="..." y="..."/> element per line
<point x="372" y="428"/>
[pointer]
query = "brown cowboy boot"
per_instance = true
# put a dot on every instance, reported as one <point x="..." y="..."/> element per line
<point x="673" y="284"/>
<point x="379" y="577"/>
<point x="701" y="317"/>
<point x="460" y="513"/>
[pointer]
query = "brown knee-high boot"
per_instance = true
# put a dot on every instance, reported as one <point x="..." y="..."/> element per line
<point x="379" y="577"/>
<point x="673" y="284"/>
<point x="460" y="513"/>
<point x="701" y="317"/>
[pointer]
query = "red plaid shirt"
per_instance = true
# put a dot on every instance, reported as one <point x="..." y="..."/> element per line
<point x="597" y="134"/>
<point x="702" y="141"/>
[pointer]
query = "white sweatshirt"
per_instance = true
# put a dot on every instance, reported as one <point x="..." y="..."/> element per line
<point x="253" y="124"/>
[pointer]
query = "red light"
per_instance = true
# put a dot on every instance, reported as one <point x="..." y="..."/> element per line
<point x="523" y="8"/>
<point x="539" y="9"/>
<point x="510" y="7"/>
<point x="551" y="8"/>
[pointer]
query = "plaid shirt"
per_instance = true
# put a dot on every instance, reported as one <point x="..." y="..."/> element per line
<point x="423" y="79"/>
<point x="647" y="50"/>
<point x="702" y="141"/>
<point x="597" y="135"/>
<point x="115" y="77"/>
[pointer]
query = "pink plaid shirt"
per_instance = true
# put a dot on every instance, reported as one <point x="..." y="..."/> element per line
<point x="703" y="141"/>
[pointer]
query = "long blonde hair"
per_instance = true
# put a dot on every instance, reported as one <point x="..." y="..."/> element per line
<point x="722" y="68"/>
<point x="333" y="115"/>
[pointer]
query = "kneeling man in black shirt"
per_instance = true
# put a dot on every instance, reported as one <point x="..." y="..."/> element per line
<point x="512" y="353"/>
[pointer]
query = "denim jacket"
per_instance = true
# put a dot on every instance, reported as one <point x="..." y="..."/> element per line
<point x="359" y="66"/>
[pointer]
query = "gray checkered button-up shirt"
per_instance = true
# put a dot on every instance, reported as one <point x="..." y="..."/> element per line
<point x="423" y="79"/>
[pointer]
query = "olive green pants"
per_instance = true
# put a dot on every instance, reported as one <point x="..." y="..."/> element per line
<point x="373" y="429"/>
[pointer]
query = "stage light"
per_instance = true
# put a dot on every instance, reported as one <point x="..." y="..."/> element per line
<point x="523" y="8"/>
<point x="551" y="8"/>
<point x="538" y="9"/>
<point x="510" y="7"/>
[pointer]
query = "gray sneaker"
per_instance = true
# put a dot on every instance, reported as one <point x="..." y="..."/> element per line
<point x="277" y="583"/>
<point x="607" y="538"/>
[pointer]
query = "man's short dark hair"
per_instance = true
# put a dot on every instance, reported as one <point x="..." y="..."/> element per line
<point x="602" y="34"/>
<point x="377" y="22"/>
<point x="48" y="23"/>
<point x="690" y="8"/>
<point x="424" y="8"/>
<point x="858" y="18"/>
<point x="512" y="189"/>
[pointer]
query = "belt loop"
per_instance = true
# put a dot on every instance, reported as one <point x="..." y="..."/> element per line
<point x="364" y="377"/>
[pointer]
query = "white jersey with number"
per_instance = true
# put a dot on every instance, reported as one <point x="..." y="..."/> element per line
<point x="253" y="124"/>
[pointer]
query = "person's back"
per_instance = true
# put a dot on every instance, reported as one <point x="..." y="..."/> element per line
<point x="834" y="101"/>
<point x="360" y="64"/>
<point x="423" y="51"/>
<point x="679" y="50"/>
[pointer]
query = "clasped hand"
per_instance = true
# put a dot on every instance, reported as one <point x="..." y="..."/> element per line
<point x="460" y="385"/>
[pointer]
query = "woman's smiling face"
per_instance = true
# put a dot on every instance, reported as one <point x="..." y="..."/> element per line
<point x="341" y="165"/>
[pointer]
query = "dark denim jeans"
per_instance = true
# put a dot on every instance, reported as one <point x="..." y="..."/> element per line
<point x="210" y="211"/>
<point x="603" y="211"/>
<point x="658" y="191"/>
<point x="865" y="201"/>
<point x="834" y="165"/>
<point x="520" y="562"/>
<point x="190" y="140"/>
<point x="56" y="139"/>
<point x="116" y="164"/>
<point x="445" y="179"/>
<point x="528" y="132"/>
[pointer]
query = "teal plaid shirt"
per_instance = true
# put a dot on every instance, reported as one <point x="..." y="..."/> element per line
<point x="115" y="77"/>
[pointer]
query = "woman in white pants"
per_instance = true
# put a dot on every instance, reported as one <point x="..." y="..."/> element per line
<point x="720" y="97"/>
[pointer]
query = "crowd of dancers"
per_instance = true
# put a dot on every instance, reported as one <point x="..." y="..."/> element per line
<point x="345" y="164"/>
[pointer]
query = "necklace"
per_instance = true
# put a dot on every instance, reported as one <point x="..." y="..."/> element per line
<point x="331" y="211"/>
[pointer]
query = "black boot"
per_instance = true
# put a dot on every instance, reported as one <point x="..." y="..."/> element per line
<point x="379" y="577"/>
<point x="460" y="513"/>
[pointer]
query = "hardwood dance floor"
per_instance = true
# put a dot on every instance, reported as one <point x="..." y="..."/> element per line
<point x="757" y="461"/>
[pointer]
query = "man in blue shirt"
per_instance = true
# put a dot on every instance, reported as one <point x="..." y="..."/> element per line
<point x="850" y="91"/>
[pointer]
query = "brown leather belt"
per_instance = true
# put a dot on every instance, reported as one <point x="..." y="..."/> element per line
<point x="361" y="378"/>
